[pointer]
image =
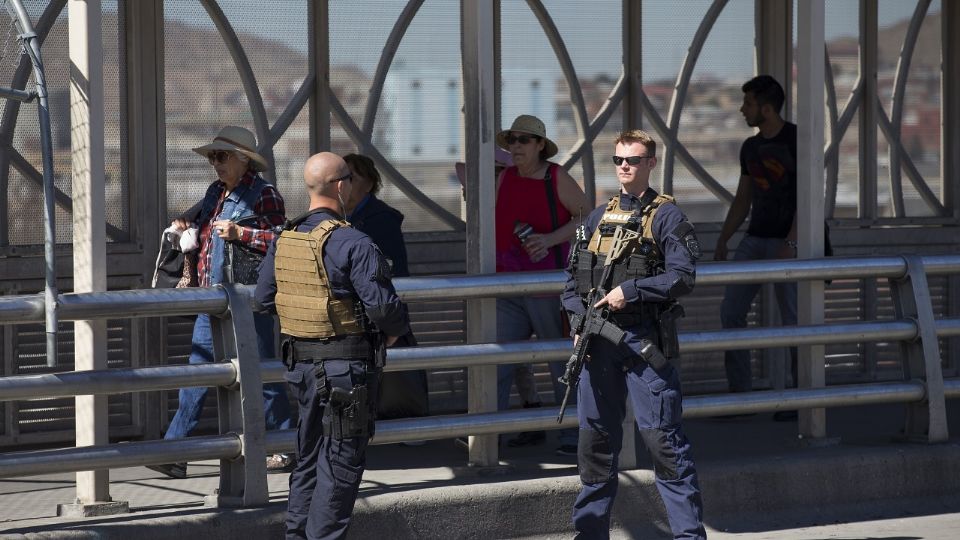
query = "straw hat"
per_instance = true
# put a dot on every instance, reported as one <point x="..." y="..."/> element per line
<point x="233" y="138"/>
<point x="526" y="123"/>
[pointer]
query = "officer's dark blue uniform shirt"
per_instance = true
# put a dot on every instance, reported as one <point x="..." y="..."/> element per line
<point x="355" y="268"/>
<point x="676" y="280"/>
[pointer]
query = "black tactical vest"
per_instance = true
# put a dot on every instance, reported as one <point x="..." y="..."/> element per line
<point x="641" y="259"/>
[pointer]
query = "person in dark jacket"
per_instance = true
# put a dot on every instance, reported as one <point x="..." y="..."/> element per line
<point x="403" y="393"/>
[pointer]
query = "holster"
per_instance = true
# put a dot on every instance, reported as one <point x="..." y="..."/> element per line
<point x="347" y="414"/>
<point x="667" y="329"/>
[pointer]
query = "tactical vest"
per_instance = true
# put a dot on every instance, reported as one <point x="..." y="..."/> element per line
<point x="304" y="301"/>
<point x="642" y="257"/>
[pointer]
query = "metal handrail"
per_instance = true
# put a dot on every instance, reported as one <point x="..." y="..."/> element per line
<point x="118" y="381"/>
<point x="169" y="302"/>
<point x="228" y="446"/>
<point x="441" y="427"/>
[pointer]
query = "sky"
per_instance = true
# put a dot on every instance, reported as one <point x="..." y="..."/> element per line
<point x="592" y="36"/>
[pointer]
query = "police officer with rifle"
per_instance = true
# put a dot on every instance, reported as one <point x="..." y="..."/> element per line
<point x="634" y="257"/>
<point x="338" y="310"/>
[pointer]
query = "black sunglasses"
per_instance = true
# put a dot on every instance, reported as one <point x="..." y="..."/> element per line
<point x="345" y="178"/>
<point x="522" y="139"/>
<point x="631" y="160"/>
<point x="218" y="156"/>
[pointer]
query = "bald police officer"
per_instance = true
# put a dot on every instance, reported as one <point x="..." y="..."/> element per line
<point x="338" y="310"/>
<point x="657" y="265"/>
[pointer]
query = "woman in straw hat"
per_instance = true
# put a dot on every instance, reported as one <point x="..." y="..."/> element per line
<point x="537" y="202"/>
<point x="239" y="207"/>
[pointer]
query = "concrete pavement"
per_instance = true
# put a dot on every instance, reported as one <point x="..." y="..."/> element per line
<point x="757" y="477"/>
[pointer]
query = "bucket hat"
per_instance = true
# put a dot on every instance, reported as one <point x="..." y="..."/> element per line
<point x="526" y="123"/>
<point x="233" y="138"/>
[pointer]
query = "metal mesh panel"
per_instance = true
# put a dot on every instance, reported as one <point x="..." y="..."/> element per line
<point x="920" y="122"/>
<point x="531" y="79"/>
<point x="200" y="98"/>
<point x="203" y="96"/>
<point x="665" y="46"/>
<point x="843" y="48"/>
<point x="711" y="126"/>
<point x="289" y="156"/>
<point x="116" y="180"/>
<point x="24" y="189"/>
<point x="419" y="123"/>
<point x="847" y="200"/>
<point x="606" y="181"/>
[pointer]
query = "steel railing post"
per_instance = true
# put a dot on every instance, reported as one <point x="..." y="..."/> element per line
<point x="926" y="419"/>
<point x="243" y="481"/>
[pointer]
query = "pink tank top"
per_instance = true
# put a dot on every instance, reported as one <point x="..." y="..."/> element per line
<point x="522" y="199"/>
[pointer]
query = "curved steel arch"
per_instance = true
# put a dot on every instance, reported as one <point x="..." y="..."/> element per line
<point x="12" y="111"/>
<point x="417" y="196"/>
<point x="838" y="128"/>
<point x="576" y="95"/>
<point x="386" y="61"/>
<point x="833" y="167"/>
<point x="916" y="179"/>
<point x="896" y="113"/>
<point x="598" y="123"/>
<point x="680" y="90"/>
<point x="292" y="109"/>
<point x="683" y="154"/>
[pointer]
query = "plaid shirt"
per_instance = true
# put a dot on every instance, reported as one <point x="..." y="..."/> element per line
<point x="268" y="207"/>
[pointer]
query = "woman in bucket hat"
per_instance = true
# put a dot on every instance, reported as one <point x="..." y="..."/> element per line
<point x="537" y="202"/>
<point x="242" y="208"/>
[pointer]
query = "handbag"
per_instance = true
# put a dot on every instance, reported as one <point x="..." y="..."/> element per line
<point x="174" y="269"/>
<point x="241" y="263"/>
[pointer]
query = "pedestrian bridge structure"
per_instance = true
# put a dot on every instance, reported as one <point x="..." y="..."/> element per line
<point x="418" y="86"/>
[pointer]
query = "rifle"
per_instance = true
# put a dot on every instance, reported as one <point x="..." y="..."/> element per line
<point x="596" y="321"/>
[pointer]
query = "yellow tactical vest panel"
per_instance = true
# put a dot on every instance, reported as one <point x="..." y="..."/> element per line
<point x="613" y="215"/>
<point x="304" y="302"/>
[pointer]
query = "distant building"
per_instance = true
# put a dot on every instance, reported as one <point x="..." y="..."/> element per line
<point x="425" y="108"/>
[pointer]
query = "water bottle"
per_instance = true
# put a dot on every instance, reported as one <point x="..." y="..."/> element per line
<point x="522" y="230"/>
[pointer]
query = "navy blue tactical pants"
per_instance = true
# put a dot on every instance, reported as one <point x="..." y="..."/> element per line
<point x="324" y="484"/>
<point x="655" y="398"/>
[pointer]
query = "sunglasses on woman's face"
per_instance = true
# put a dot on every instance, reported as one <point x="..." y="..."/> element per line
<point x="218" y="156"/>
<point x="631" y="160"/>
<point x="522" y="139"/>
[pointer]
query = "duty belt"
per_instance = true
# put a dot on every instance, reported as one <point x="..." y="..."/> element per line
<point x="295" y="349"/>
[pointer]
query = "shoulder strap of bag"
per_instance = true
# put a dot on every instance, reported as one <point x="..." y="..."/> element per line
<point x="552" y="204"/>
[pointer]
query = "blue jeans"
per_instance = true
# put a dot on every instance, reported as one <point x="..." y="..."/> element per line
<point x="517" y="319"/>
<point x="276" y="408"/>
<point x="736" y="304"/>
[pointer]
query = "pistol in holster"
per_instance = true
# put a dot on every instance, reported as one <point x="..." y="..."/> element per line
<point x="288" y="353"/>
<point x="667" y="330"/>
<point x="347" y="414"/>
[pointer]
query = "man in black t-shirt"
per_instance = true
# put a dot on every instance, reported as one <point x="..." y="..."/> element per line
<point x="768" y="192"/>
